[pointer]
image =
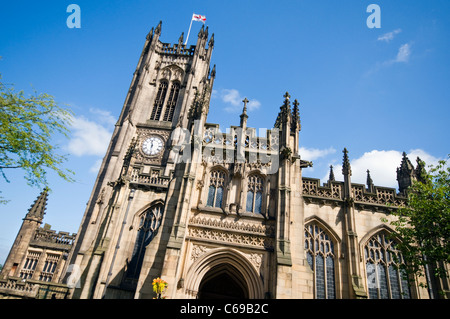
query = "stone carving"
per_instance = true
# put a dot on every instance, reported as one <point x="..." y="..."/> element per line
<point x="216" y="235"/>
<point x="261" y="229"/>
<point x="256" y="260"/>
<point x="197" y="251"/>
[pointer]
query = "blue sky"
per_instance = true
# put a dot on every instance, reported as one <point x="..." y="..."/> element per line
<point x="378" y="91"/>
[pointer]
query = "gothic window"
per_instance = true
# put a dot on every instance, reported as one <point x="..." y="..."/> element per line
<point x="159" y="101"/>
<point x="321" y="258"/>
<point x="49" y="267"/>
<point x="30" y="264"/>
<point x="216" y="188"/>
<point x="149" y="223"/>
<point x="254" y="194"/>
<point x="385" y="279"/>
<point x="172" y="101"/>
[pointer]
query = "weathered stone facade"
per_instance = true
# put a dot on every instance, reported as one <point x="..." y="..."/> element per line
<point x="37" y="262"/>
<point x="219" y="214"/>
<point x="225" y="214"/>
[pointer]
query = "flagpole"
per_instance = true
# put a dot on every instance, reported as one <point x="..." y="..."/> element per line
<point x="187" y="38"/>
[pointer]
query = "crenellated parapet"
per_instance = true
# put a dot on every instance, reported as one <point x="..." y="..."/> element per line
<point x="331" y="193"/>
<point x="46" y="237"/>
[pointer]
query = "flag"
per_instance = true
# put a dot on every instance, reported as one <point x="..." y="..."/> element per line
<point x="198" y="17"/>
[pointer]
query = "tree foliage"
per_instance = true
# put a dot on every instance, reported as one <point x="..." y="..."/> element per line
<point x="424" y="223"/>
<point x="28" y="125"/>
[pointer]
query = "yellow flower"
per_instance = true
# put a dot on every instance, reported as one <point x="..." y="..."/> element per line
<point x="159" y="285"/>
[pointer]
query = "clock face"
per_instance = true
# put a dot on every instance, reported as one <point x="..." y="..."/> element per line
<point x="152" y="145"/>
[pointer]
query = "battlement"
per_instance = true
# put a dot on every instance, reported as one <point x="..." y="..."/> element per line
<point x="175" y="49"/>
<point x="45" y="237"/>
<point x="383" y="198"/>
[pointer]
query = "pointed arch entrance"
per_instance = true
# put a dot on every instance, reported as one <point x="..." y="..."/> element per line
<point x="223" y="273"/>
<point x="223" y="282"/>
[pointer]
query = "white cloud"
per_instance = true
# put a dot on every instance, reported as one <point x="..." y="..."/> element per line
<point x="91" y="137"/>
<point x="403" y="53"/>
<point x="96" y="167"/>
<point x="389" y="36"/>
<point x="253" y="105"/>
<point x="382" y="166"/>
<point x="231" y="96"/>
<point x="103" y="116"/>
<point x="234" y="99"/>
<point x="311" y="154"/>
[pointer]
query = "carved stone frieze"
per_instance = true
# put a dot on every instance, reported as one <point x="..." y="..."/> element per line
<point x="257" y="229"/>
<point x="232" y="233"/>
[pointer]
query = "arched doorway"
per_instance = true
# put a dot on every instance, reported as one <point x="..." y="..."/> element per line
<point x="223" y="282"/>
<point x="223" y="273"/>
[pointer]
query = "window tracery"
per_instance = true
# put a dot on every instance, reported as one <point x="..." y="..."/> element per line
<point x="164" y="108"/>
<point x="254" y="194"/>
<point x="30" y="264"/>
<point x="159" y="101"/>
<point x="149" y="223"/>
<point x="49" y="268"/>
<point x="320" y="255"/>
<point x="172" y="101"/>
<point x="216" y="188"/>
<point x="385" y="280"/>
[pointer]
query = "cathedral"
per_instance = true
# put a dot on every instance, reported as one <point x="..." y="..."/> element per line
<point x="215" y="215"/>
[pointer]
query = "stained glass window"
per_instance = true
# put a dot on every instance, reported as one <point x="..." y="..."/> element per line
<point x="249" y="207"/>
<point x="149" y="222"/>
<point x="219" y="196"/>
<point x="258" y="202"/>
<point x="320" y="256"/>
<point x="385" y="279"/>
<point x="216" y="189"/>
<point x="254" y="194"/>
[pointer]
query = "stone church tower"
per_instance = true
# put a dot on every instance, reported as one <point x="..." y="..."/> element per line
<point x="178" y="199"/>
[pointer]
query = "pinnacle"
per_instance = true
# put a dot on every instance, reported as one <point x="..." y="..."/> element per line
<point x="39" y="206"/>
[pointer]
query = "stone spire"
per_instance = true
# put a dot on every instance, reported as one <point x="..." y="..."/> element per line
<point x="158" y="28"/>
<point x="201" y="32"/>
<point x="213" y="72"/>
<point x="295" y="118"/>
<point x="150" y="34"/>
<point x="285" y="112"/>
<point x="331" y="176"/>
<point x="244" y="115"/>
<point x="405" y="174"/>
<point x="285" y="109"/>
<point x="37" y="210"/>
<point x="180" y="43"/>
<point x="181" y="39"/>
<point x="211" y="41"/>
<point x="346" y="169"/>
<point x="370" y="185"/>
<point x="420" y="170"/>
